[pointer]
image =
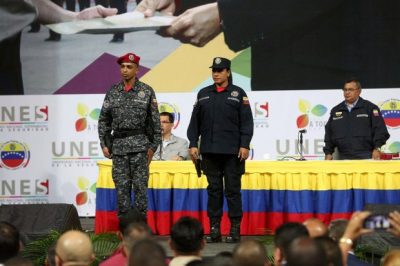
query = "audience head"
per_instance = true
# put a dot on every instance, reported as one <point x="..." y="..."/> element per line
<point x="201" y="263"/>
<point x="305" y="251"/>
<point x="392" y="258"/>
<point x="332" y="250"/>
<point x="74" y="248"/>
<point x="9" y="241"/>
<point x="284" y="235"/>
<point x="147" y="252"/>
<point x="187" y="236"/>
<point x="250" y="253"/>
<point x="316" y="227"/>
<point x="132" y="216"/>
<point x="224" y="258"/>
<point x="133" y="233"/>
<point x="336" y="228"/>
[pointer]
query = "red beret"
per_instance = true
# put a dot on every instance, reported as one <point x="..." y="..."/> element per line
<point x="129" y="58"/>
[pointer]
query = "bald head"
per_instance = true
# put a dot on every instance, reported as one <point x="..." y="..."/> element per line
<point x="315" y="227"/>
<point x="74" y="248"/>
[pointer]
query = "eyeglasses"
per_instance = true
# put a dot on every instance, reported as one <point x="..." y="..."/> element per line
<point x="217" y="70"/>
<point x="349" y="90"/>
<point x="165" y="122"/>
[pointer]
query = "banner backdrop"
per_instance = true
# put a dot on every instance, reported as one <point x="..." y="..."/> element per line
<point x="49" y="144"/>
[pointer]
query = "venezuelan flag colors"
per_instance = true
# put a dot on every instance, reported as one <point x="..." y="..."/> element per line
<point x="272" y="193"/>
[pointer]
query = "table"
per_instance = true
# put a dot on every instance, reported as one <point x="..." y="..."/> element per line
<point x="273" y="192"/>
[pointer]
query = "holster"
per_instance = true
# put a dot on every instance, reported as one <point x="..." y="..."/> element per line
<point x="198" y="167"/>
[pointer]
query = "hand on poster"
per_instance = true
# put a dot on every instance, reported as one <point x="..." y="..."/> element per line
<point x="127" y="22"/>
<point x="149" y="7"/>
<point x="96" y="12"/>
<point x="196" y="26"/>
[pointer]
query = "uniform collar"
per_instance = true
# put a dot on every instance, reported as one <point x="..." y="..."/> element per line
<point x="213" y="88"/>
<point x="358" y="103"/>
<point x="121" y="86"/>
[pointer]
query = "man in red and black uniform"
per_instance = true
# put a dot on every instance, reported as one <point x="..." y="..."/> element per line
<point x="222" y="118"/>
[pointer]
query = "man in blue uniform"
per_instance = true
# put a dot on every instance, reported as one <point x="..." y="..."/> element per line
<point x="222" y="118"/>
<point x="355" y="127"/>
<point x="130" y="113"/>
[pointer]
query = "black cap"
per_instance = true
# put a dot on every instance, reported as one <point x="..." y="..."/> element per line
<point x="220" y="62"/>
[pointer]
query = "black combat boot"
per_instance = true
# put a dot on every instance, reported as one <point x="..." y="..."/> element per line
<point x="215" y="231"/>
<point x="234" y="233"/>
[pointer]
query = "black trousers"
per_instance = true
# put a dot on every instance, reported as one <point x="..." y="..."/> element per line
<point x="224" y="172"/>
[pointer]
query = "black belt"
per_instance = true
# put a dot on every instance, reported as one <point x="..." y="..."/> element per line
<point x="120" y="134"/>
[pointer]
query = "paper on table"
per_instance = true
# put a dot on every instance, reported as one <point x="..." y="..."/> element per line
<point x="131" y="21"/>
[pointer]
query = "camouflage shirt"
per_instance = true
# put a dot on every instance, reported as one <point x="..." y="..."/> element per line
<point x="135" y="109"/>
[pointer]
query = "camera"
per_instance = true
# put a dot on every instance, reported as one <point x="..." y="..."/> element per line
<point x="377" y="222"/>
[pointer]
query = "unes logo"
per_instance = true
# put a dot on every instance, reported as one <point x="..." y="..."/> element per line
<point x="84" y="114"/>
<point x="261" y="114"/>
<point x="261" y="109"/>
<point x="85" y="187"/>
<point x="390" y="110"/>
<point x="303" y="120"/>
<point x="170" y="108"/>
<point x="14" y="155"/>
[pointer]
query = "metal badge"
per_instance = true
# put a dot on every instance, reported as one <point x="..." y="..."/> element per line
<point x="131" y="57"/>
<point x="141" y="94"/>
<point x="217" y="60"/>
<point x="106" y="104"/>
<point x="234" y="93"/>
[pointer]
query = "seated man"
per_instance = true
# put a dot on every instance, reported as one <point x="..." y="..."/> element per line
<point x="173" y="148"/>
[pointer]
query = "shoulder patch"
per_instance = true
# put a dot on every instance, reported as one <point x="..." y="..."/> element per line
<point x="141" y="94"/>
<point x="375" y="112"/>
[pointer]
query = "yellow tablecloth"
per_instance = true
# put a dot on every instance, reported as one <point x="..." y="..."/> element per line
<point x="278" y="190"/>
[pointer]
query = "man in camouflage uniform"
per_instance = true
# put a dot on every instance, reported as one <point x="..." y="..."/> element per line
<point x="130" y="117"/>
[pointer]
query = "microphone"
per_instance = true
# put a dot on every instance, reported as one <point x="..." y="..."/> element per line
<point x="300" y="143"/>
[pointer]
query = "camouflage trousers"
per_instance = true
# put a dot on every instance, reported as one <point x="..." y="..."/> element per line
<point x="130" y="173"/>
